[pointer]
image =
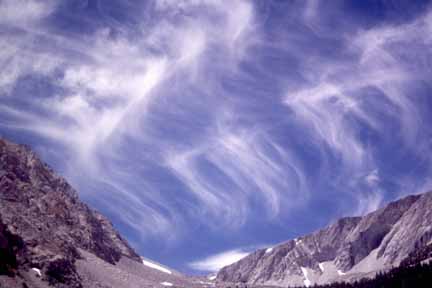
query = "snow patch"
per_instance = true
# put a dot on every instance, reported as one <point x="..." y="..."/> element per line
<point x="212" y="277"/>
<point x="306" y="282"/>
<point x="298" y="241"/>
<point x="166" y="284"/>
<point x="38" y="272"/>
<point x="155" y="266"/>
<point x="268" y="250"/>
<point x="321" y="266"/>
<point x="340" y="272"/>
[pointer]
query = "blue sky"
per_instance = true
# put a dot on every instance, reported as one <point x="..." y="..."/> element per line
<point x="205" y="129"/>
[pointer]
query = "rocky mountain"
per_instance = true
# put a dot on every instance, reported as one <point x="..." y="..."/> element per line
<point x="350" y="249"/>
<point x="49" y="238"/>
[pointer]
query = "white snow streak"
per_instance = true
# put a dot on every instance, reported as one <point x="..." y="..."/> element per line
<point x="306" y="282"/>
<point x="166" y="284"/>
<point x="38" y="272"/>
<point x="155" y="266"/>
<point x="340" y="272"/>
<point x="268" y="250"/>
<point x="321" y="266"/>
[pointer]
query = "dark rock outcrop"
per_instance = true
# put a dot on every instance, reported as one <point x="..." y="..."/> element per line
<point x="11" y="251"/>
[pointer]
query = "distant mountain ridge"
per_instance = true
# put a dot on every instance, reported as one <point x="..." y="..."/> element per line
<point x="350" y="249"/>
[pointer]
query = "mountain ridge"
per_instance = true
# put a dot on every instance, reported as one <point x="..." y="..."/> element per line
<point x="346" y="250"/>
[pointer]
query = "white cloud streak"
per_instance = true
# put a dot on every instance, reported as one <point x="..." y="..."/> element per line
<point x="215" y="262"/>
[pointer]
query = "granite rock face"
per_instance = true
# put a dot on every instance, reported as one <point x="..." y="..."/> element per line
<point x="43" y="223"/>
<point x="347" y="250"/>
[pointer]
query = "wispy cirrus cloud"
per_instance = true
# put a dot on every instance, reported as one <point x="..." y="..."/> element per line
<point x="336" y="103"/>
<point x="217" y="116"/>
<point x="106" y="83"/>
<point x="246" y="168"/>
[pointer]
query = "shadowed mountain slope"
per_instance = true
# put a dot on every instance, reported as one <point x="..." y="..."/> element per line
<point x="48" y="237"/>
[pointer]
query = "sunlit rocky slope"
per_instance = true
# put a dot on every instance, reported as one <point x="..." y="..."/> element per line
<point x="347" y="250"/>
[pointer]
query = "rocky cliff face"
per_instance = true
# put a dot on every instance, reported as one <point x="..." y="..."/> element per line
<point x="43" y="223"/>
<point x="48" y="238"/>
<point x="349" y="249"/>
